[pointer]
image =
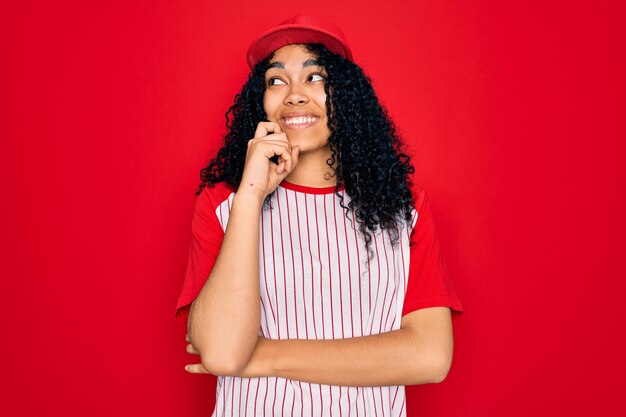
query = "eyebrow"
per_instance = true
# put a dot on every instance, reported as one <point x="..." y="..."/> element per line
<point x="307" y="63"/>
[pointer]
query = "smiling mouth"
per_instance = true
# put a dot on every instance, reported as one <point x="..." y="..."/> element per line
<point x="299" y="122"/>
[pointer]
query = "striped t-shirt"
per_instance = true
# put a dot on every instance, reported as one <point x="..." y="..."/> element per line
<point x="318" y="282"/>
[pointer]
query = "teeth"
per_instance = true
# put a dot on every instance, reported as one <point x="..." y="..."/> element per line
<point x="299" y="120"/>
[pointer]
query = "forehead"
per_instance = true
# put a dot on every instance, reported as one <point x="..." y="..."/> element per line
<point x="292" y="55"/>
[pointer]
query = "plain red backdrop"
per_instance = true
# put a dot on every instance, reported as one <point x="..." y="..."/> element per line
<point x="515" y="112"/>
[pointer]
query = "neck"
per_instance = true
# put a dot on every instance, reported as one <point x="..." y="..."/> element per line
<point x="312" y="170"/>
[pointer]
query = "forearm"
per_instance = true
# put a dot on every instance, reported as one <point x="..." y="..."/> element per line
<point x="391" y="358"/>
<point x="225" y="316"/>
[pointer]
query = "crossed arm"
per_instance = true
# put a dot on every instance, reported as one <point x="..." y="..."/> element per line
<point x="420" y="352"/>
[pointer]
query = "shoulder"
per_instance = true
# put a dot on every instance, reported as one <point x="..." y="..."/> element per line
<point x="420" y="198"/>
<point x="212" y="196"/>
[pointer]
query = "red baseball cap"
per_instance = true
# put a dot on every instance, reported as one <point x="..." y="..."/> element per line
<point x="302" y="28"/>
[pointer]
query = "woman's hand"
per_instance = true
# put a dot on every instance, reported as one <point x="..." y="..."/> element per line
<point x="195" y="368"/>
<point x="258" y="365"/>
<point x="260" y="174"/>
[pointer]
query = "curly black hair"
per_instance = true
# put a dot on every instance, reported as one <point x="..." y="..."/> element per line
<point x="364" y="145"/>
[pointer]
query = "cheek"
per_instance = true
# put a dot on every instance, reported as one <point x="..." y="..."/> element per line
<point x="270" y="104"/>
<point x="322" y="102"/>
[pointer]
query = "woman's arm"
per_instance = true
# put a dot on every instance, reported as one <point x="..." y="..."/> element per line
<point x="420" y="352"/>
<point x="224" y="318"/>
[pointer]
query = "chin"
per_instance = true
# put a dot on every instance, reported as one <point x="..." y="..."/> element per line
<point x="304" y="137"/>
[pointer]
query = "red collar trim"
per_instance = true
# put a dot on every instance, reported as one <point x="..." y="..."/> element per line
<point x="310" y="190"/>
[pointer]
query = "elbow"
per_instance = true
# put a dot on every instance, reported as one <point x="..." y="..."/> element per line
<point x="441" y="367"/>
<point x="220" y="354"/>
<point x="212" y="360"/>
<point x="215" y="362"/>
<point x="220" y="367"/>
<point x="218" y="362"/>
<point x="429" y="369"/>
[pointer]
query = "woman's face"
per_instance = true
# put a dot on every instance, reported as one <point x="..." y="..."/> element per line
<point x="295" y="98"/>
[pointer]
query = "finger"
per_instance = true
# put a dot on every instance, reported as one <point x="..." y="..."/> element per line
<point x="265" y="128"/>
<point x="279" y="139"/>
<point x="286" y="164"/>
<point x="196" y="368"/>
<point x="289" y="166"/>
<point x="275" y="136"/>
<point x="187" y="337"/>
<point x="295" y="153"/>
<point x="191" y="349"/>
<point x="281" y="150"/>
<point x="280" y="168"/>
<point x="275" y="126"/>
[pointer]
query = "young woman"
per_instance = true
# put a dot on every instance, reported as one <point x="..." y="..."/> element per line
<point x="315" y="284"/>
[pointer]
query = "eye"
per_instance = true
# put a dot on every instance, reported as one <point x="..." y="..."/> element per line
<point x="319" y="75"/>
<point x="269" y="82"/>
<point x="315" y="74"/>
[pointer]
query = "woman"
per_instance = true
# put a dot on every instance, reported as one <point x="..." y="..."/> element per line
<point x="326" y="291"/>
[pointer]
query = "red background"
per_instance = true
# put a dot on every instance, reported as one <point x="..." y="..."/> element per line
<point x="515" y="112"/>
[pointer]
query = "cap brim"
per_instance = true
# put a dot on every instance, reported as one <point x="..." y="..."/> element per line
<point x="276" y="38"/>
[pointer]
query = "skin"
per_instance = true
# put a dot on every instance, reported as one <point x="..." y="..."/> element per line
<point x="299" y="88"/>
<point x="421" y="350"/>
<point x="293" y="83"/>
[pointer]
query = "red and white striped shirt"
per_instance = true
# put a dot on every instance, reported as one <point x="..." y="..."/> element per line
<point x="317" y="282"/>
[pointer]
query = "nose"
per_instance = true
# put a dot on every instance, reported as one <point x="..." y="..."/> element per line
<point x="296" y="95"/>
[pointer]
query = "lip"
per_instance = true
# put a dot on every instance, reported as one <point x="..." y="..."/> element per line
<point x="299" y="114"/>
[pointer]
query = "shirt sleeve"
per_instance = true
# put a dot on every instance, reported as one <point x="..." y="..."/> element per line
<point x="429" y="283"/>
<point x="206" y="240"/>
